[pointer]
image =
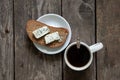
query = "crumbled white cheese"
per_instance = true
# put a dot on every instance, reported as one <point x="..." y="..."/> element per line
<point x="52" y="37"/>
<point x="38" y="33"/>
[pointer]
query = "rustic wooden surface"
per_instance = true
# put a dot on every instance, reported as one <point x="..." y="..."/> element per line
<point x="6" y="40"/>
<point x="91" y="20"/>
<point x="108" y="32"/>
<point x="31" y="64"/>
<point x="80" y="14"/>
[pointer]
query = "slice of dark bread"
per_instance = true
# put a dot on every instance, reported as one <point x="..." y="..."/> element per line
<point x="33" y="25"/>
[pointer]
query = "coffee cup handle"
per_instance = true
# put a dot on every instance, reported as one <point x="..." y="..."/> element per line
<point x="96" y="47"/>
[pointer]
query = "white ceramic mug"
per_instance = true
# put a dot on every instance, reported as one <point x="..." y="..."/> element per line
<point x="92" y="49"/>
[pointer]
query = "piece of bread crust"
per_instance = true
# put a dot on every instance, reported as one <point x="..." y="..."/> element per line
<point x="33" y="25"/>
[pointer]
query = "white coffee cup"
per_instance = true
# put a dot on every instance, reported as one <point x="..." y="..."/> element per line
<point x="92" y="49"/>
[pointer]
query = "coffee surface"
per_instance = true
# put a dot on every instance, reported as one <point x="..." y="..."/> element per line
<point x="78" y="57"/>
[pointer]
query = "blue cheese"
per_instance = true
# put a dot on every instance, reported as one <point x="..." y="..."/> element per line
<point x="52" y="37"/>
<point x="38" y="33"/>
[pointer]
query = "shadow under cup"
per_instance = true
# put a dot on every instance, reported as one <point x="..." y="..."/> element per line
<point x="78" y="58"/>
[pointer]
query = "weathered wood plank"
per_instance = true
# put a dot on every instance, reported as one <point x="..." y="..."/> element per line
<point x="80" y="14"/>
<point x="30" y="64"/>
<point x="6" y="40"/>
<point x="108" y="32"/>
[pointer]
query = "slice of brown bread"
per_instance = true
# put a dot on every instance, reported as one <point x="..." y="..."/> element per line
<point x="33" y="25"/>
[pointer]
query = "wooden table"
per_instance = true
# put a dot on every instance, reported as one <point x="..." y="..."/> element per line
<point x="91" y="20"/>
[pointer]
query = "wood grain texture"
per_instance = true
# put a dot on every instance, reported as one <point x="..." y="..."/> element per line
<point x="108" y="32"/>
<point x="80" y="15"/>
<point x="31" y="64"/>
<point x="6" y="40"/>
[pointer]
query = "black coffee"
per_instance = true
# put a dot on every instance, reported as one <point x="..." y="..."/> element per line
<point x="78" y="57"/>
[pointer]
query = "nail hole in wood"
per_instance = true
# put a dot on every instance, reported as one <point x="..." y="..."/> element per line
<point x="7" y="31"/>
